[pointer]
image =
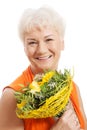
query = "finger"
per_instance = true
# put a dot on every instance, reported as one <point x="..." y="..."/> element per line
<point x="70" y="120"/>
<point x="67" y="114"/>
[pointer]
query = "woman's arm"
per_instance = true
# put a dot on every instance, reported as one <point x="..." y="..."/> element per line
<point x="8" y="118"/>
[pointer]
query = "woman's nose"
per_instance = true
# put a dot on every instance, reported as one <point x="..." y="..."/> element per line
<point x="42" y="47"/>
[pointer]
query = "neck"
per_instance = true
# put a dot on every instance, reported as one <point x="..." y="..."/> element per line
<point x="36" y="71"/>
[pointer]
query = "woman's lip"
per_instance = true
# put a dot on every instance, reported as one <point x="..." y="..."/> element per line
<point x="44" y="57"/>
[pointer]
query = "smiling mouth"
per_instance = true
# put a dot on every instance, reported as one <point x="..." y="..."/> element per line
<point x="44" y="57"/>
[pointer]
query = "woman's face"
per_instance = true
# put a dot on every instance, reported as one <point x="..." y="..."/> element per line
<point x="43" y="48"/>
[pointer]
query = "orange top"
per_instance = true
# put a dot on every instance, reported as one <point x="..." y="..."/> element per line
<point x="44" y="123"/>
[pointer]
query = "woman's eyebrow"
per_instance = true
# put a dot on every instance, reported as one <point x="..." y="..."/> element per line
<point x="49" y="35"/>
<point x="32" y="39"/>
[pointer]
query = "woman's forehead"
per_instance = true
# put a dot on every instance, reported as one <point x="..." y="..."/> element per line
<point x="45" y="31"/>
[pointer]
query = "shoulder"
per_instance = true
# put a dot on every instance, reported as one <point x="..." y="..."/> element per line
<point x="81" y="105"/>
<point x="8" y="97"/>
<point x="7" y="102"/>
<point x="76" y="96"/>
<point x="7" y="110"/>
<point x="23" y="79"/>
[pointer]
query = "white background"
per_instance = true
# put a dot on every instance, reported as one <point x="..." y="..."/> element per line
<point x="12" y="58"/>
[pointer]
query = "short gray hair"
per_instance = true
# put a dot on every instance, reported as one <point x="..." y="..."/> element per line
<point x="44" y="16"/>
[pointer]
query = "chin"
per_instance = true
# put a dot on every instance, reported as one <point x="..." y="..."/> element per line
<point x="47" y="68"/>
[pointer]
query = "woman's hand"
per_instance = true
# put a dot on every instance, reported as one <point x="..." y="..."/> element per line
<point x="68" y="121"/>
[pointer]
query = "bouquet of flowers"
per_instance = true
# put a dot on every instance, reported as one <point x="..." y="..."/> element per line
<point x="46" y="96"/>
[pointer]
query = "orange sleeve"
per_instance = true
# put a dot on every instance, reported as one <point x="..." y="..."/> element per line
<point x="76" y="105"/>
<point x="25" y="78"/>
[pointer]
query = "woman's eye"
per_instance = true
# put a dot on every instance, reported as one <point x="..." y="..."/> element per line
<point x="31" y="43"/>
<point x="50" y="39"/>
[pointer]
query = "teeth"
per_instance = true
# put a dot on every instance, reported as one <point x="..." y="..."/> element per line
<point x="43" y="58"/>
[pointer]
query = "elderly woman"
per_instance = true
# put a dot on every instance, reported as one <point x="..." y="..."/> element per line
<point x="42" y="33"/>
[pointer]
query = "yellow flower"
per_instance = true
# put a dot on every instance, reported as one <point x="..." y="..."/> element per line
<point x="34" y="87"/>
<point x="47" y="77"/>
<point x="20" y="105"/>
